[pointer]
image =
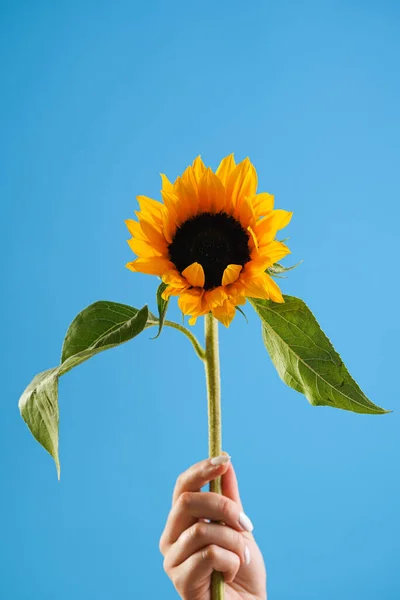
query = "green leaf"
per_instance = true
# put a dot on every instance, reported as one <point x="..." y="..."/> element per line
<point x="162" y="306"/>
<point x="305" y="358"/>
<point x="98" y="327"/>
<point x="39" y="409"/>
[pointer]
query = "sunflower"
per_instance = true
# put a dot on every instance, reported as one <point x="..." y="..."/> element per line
<point x="211" y="240"/>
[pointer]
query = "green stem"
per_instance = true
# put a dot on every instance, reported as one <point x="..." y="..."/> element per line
<point x="196" y="344"/>
<point x="211" y="362"/>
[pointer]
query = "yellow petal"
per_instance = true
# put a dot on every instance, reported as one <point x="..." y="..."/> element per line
<point x="274" y="251"/>
<point x="225" y="312"/>
<point x="237" y="290"/>
<point x="190" y="302"/>
<point x="280" y="218"/>
<point x="151" y="266"/>
<point x="178" y="206"/>
<point x="263" y="286"/>
<point x="257" y="265"/>
<point x="239" y="300"/>
<point x="189" y="177"/>
<point x="194" y="173"/>
<point x="174" y="278"/>
<point x="171" y="291"/>
<point x="244" y="213"/>
<point x="225" y="168"/>
<point x="253" y="238"/>
<point x="263" y="204"/>
<point x="257" y="287"/>
<point x="188" y="195"/>
<point x="195" y="275"/>
<point x="231" y="273"/>
<point x="171" y="202"/>
<point x="198" y="168"/>
<point x="266" y="228"/>
<point x="241" y="183"/>
<point x="153" y="232"/>
<point x="143" y="249"/>
<point x="135" y="230"/>
<point x="235" y="181"/>
<point x="211" y="193"/>
<point x="150" y="207"/>
<point x="215" y="297"/>
<point x="166" y="184"/>
<point x="275" y="293"/>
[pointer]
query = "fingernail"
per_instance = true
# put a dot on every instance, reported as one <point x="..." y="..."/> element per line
<point x="245" y="522"/>
<point x="247" y="555"/>
<point x="220" y="460"/>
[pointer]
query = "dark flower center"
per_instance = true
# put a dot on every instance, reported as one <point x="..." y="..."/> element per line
<point x="213" y="240"/>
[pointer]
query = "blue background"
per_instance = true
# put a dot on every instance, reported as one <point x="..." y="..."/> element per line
<point x="97" y="98"/>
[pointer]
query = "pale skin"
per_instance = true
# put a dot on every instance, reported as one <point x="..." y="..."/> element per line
<point x="193" y="548"/>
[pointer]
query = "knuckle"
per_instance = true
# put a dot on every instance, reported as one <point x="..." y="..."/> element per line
<point x="236" y="562"/>
<point x="224" y="505"/>
<point x="236" y="543"/>
<point x="209" y="553"/>
<point x="198" y="531"/>
<point x="204" y="472"/>
<point x="185" y="499"/>
<point x="234" y="566"/>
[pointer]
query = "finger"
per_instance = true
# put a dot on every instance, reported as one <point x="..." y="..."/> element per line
<point x="201" y="535"/>
<point x="199" y="567"/>
<point x="192" y="506"/>
<point x="230" y="487"/>
<point x="194" y="478"/>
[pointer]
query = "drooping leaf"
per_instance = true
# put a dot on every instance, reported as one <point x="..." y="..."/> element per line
<point x="39" y="409"/>
<point x="162" y="306"/>
<point x="102" y="325"/>
<point x="305" y="358"/>
<point x="98" y="327"/>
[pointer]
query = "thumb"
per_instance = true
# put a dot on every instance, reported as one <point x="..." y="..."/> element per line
<point x="230" y="487"/>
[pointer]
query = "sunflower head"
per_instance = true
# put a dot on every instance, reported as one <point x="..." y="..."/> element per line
<point x="211" y="240"/>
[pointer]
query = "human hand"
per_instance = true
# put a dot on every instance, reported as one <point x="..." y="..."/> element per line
<point x="193" y="548"/>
